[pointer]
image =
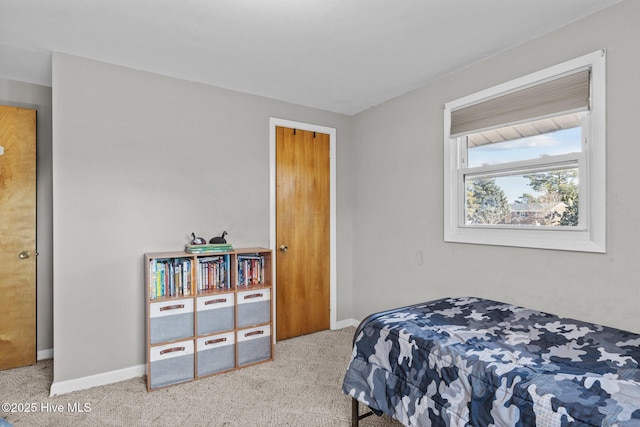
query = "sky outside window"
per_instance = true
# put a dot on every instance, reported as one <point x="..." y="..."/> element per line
<point x="563" y="141"/>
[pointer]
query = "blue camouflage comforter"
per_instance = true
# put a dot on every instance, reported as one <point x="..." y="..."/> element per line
<point x="476" y="362"/>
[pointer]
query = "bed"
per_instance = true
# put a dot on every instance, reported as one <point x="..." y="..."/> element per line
<point x="477" y="362"/>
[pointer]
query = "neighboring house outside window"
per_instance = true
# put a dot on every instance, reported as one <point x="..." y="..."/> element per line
<point x="525" y="161"/>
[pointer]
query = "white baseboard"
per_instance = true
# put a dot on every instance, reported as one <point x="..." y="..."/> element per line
<point x="44" y="354"/>
<point x="346" y="323"/>
<point x="63" y="387"/>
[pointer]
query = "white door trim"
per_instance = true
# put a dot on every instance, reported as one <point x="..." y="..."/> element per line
<point x="273" y="122"/>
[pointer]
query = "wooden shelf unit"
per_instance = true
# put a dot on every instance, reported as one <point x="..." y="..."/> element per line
<point x="208" y="331"/>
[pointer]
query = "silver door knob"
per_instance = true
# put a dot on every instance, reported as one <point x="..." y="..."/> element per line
<point x="284" y="248"/>
<point x="24" y="254"/>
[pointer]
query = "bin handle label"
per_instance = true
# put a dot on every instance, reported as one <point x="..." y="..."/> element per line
<point x="172" y="307"/>
<point x="171" y="350"/>
<point x="215" y="341"/>
<point x="215" y="301"/>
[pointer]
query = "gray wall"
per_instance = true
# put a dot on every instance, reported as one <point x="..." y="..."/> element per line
<point x="399" y="253"/>
<point x="139" y="162"/>
<point x="38" y="97"/>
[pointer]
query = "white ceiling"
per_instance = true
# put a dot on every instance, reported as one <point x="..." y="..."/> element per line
<point x="338" y="55"/>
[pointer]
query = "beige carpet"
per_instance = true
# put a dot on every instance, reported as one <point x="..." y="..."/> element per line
<point x="301" y="387"/>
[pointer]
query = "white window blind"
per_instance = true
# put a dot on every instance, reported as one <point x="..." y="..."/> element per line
<point x="565" y="94"/>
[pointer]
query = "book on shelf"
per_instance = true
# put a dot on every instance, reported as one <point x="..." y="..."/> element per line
<point x="186" y="274"/>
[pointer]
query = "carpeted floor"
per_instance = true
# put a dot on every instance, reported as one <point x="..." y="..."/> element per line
<point x="301" y="387"/>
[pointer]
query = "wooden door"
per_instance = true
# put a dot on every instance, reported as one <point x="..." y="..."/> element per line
<point x="17" y="237"/>
<point x="302" y="232"/>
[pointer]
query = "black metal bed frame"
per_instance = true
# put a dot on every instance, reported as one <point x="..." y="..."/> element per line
<point x="355" y="413"/>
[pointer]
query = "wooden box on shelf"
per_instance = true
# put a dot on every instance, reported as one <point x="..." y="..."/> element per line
<point x="207" y="313"/>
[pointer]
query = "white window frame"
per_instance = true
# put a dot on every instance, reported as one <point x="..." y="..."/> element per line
<point x="590" y="234"/>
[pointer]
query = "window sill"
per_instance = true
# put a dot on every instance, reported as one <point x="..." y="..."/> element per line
<point x="570" y="240"/>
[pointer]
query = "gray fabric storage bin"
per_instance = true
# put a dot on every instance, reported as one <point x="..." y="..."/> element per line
<point x="173" y="367"/>
<point x="217" y="320"/>
<point x="216" y="354"/>
<point x="215" y="313"/>
<point x="254" y="308"/>
<point x="254" y="345"/>
<point x="170" y="328"/>
<point x="171" y="320"/>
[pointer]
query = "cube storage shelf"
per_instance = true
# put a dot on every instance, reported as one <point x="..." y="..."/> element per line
<point x="207" y="313"/>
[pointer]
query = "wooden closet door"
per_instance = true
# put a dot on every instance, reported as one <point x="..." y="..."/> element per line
<point x="17" y="237"/>
<point x="302" y="232"/>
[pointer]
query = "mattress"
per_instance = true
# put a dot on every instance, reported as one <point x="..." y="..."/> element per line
<point x="477" y="362"/>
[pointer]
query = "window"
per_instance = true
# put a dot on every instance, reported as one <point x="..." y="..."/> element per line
<point x="525" y="161"/>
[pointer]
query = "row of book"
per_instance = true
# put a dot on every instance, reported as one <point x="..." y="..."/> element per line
<point x="173" y="277"/>
<point x="170" y="277"/>
<point x="213" y="272"/>
<point x="250" y="270"/>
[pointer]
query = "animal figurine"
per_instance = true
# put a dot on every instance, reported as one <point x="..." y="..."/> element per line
<point x="219" y="239"/>
<point x="197" y="240"/>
